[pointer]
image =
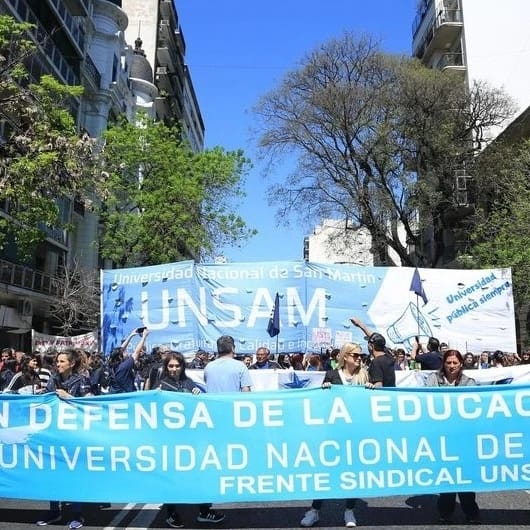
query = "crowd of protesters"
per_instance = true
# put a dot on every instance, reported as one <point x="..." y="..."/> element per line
<point x="22" y="372"/>
<point x="76" y="373"/>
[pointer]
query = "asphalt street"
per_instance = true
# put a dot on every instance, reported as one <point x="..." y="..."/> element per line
<point x="501" y="510"/>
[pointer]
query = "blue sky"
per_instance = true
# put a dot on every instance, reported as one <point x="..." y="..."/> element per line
<point x="238" y="50"/>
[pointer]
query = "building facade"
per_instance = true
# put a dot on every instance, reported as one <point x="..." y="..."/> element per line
<point x="336" y="241"/>
<point x="485" y="40"/>
<point x="487" y="43"/>
<point x="84" y="42"/>
<point x="157" y="24"/>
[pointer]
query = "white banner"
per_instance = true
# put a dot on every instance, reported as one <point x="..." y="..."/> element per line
<point x="291" y="379"/>
<point x="42" y="342"/>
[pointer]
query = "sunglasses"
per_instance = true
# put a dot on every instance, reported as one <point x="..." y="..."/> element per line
<point x="354" y="355"/>
<point x="174" y="365"/>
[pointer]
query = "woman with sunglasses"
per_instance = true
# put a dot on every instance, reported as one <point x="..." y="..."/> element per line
<point x="174" y="379"/>
<point x="349" y="371"/>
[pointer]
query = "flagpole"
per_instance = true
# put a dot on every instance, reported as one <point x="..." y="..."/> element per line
<point x="277" y="339"/>
<point x="417" y="313"/>
<point x="417" y="288"/>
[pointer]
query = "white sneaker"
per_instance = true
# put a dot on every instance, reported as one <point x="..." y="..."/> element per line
<point x="310" y="518"/>
<point x="349" y="519"/>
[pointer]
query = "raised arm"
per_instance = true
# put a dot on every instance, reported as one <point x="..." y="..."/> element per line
<point x="140" y="346"/>
<point x="125" y="344"/>
<point x="362" y="326"/>
<point x="417" y="349"/>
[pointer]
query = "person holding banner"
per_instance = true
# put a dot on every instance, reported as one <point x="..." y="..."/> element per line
<point x="174" y="379"/>
<point x="68" y="382"/>
<point x="349" y="371"/>
<point x="452" y="374"/>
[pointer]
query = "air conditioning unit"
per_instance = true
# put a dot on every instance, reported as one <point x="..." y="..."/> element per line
<point x="162" y="70"/>
<point x="25" y="307"/>
<point x="165" y="22"/>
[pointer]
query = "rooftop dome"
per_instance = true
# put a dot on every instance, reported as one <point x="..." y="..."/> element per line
<point x="140" y="68"/>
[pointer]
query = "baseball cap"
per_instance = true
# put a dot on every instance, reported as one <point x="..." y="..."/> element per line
<point x="377" y="340"/>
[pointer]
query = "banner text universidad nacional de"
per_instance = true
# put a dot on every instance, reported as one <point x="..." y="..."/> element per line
<point x="343" y="442"/>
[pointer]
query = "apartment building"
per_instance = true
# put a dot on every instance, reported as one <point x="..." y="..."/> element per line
<point x="486" y="40"/>
<point x="156" y="23"/>
<point x="337" y="241"/>
<point x="84" y="42"/>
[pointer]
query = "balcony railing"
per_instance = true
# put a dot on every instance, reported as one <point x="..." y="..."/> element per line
<point x="78" y="7"/>
<point x="27" y="278"/>
<point x="446" y="17"/>
<point x="70" y="24"/>
<point x="449" y="60"/>
<point x="49" y="49"/>
<point x="449" y="16"/>
<point x="92" y="71"/>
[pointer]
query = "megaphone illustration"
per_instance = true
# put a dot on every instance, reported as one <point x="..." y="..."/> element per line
<point x="409" y="325"/>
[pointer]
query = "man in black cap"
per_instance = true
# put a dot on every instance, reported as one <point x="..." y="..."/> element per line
<point x="381" y="370"/>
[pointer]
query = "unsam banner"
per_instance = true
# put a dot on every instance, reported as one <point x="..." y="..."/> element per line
<point x="188" y="306"/>
<point x="338" y="443"/>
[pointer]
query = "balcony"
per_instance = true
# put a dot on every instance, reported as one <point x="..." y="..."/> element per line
<point x="166" y="8"/>
<point x="91" y="72"/>
<point x="451" y="61"/>
<point x="165" y="28"/>
<point x="444" y="31"/>
<point x="27" y="278"/>
<point x="168" y="54"/>
<point x="55" y="56"/>
<point x="58" y="235"/>
<point x="70" y="26"/>
<point x="48" y="48"/>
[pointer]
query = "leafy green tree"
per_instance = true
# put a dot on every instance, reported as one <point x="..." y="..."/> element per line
<point x="361" y="125"/>
<point x="499" y="234"/>
<point x="162" y="201"/>
<point x="42" y="156"/>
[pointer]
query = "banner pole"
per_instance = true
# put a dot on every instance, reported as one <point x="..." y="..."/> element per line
<point x="417" y="313"/>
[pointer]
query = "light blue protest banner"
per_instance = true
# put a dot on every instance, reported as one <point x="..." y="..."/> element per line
<point x="188" y="306"/>
<point x="340" y="443"/>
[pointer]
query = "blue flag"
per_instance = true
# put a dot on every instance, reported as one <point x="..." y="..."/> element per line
<point x="416" y="286"/>
<point x="273" y="327"/>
